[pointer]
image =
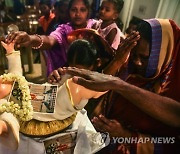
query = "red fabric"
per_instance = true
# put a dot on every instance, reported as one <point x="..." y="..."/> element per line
<point x="45" y="22"/>
<point x="133" y="118"/>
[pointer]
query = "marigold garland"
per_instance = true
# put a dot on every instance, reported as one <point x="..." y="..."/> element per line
<point x="24" y="112"/>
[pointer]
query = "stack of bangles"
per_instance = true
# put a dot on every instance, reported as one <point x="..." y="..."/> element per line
<point x="41" y="43"/>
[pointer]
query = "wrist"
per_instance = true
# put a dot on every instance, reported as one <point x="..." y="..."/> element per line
<point x="36" y="41"/>
<point x="11" y="52"/>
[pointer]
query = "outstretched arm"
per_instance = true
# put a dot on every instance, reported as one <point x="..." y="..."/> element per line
<point x="79" y="92"/>
<point x="22" y="39"/>
<point x="162" y="108"/>
<point x="14" y="59"/>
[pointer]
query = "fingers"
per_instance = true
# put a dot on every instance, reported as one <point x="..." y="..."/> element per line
<point x="11" y="37"/>
<point x="128" y="44"/>
<point x="78" y="72"/>
<point x="101" y="123"/>
<point x="85" y="83"/>
<point x="19" y="38"/>
<point x="55" y="76"/>
<point x="4" y="44"/>
<point x="133" y="37"/>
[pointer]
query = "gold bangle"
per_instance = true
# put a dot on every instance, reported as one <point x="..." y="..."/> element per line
<point x="38" y="47"/>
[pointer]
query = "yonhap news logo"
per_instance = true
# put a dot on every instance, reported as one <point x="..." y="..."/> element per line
<point x="101" y="138"/>
<point x="104" y="139"/>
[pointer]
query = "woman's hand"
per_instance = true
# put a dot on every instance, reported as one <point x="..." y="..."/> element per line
<point x="121" y="55"/>
<point x="56" y="75"/>
<point x="113" y="127"/>
<point x="92" y="80"/>
<point x="20" y="38"/>
<point x="126" y="46"/>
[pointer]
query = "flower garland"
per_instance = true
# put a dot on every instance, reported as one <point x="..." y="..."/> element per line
<point x="25" y="111"/>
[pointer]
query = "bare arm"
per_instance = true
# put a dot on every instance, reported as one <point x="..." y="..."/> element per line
<point x="79" y="92"/>
<point x="111" y="35"/>
<point x="159" y="107"/>
<point x="22" y="39"/>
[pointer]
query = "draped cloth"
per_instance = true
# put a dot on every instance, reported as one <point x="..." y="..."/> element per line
<point x="162" y="77"/>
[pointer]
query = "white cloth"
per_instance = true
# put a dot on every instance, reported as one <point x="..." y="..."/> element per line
<point x="85" y="136"/>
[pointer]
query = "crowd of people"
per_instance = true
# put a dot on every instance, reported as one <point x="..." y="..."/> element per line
<point x="137" y="73"/>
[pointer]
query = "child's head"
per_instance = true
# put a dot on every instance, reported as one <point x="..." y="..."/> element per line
<point x="45" y="7"/>
<point x="79" y="12"/>
<point x="82" y="54"/>
<point x="110" y="9"/>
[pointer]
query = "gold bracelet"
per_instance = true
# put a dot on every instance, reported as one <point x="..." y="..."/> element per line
<point x="38" y="47"/>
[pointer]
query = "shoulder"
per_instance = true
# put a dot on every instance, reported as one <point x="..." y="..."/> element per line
<point x="91" y="22"/>
<point x="62" y="29"/>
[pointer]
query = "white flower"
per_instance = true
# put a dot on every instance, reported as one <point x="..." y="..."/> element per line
<point x="24" y="112"/>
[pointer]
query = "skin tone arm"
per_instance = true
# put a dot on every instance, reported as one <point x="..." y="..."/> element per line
<point x="79" y="92"/>
<point x="165" y="109"/>
<point x="110" y="37"/>
<point x="22" y="39"/>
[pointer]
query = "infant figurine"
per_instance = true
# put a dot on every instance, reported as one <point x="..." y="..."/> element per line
<point x="70" y="99"/>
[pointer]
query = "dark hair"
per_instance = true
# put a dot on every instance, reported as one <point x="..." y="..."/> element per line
<point x="60" y="3"/>
<point x="118" y="4"/>
<point x="82" y="52"/>
<point x="45" y="2"/>
<point x="86" y="3"/>
<point x="145" y="30"/>
<point x="135" y="20"/>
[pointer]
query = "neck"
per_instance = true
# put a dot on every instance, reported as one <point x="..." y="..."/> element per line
<point x="79" y="26"/>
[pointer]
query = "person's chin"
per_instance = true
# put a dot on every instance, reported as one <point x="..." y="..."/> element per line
<point x="78" y="23"/>
<point x="101" y="17"/>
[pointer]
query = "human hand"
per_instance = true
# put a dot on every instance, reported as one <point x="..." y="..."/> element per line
<point x="113" y="127"/>
<point x="20" y="38"/>
<point x="58" y="76"/>
<point x="126" y="45"/>
<point x="9" y="47"/>
<point x="92" y="80"/>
